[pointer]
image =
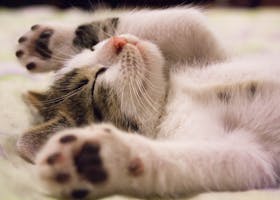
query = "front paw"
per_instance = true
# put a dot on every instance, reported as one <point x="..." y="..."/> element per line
<point x="90" y="162"/>
<point x="45" y="47"/>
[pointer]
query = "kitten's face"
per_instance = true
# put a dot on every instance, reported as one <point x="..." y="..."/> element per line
<point x="123" y="81"/>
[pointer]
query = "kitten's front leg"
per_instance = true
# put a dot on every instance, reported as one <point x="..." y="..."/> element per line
<point x="100" y="160"/>
<point x="95" y="161"/>
<point x="48" y="47"/>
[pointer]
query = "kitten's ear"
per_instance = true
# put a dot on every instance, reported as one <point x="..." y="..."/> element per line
<point x="30" y="143"/>
<point x="35" y="100"/>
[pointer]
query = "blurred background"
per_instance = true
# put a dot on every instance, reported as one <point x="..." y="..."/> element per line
<point x="91" y="4"/>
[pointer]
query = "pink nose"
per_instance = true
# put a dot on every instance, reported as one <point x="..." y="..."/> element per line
<point x="119" y="43"/>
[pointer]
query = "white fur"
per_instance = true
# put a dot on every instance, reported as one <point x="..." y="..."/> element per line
<point x="199" y="140"/>
<point x="181" y="33"/>
<point x="201" y="143"/>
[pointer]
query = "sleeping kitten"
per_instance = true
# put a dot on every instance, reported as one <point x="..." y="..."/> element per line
<point x="198" y="129"/>
<point x="180" y="33"/>
<point x="173" y="132"/>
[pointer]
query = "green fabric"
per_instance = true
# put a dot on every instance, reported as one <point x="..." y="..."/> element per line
<point x="244" y="32"/>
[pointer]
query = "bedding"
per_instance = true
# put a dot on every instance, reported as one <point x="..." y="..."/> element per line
<point x="244" y="32"/>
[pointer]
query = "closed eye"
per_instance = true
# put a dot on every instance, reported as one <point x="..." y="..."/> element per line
<point x="96" y="111"/>
<point x="99" y="72"/>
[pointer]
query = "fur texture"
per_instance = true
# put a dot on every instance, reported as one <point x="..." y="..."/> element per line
<point x="199" y="128"/>
<point x="46" y="47"/>
<point x="188" y="40"/>
<point x="211" y="128"/>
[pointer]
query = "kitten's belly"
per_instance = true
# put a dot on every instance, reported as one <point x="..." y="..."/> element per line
<point x="223" y="98"/>
<point x="217" y="115"/>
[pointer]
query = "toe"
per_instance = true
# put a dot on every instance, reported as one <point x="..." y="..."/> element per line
<point x="19" y="53"/>
<point x="35" y="27"/>
<point x="31" y="66"/>
<point x="79" y="193"/>
<point x="22" y="39"/>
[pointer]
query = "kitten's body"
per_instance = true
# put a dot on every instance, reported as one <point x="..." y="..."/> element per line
<point x="181" y="34"/>
<point x="226" y="116"/>
<point x="218" y="131"/>
<point x="199" y="128"/>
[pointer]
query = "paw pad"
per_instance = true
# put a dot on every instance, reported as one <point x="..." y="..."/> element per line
<point x="19" y="53"/>
<point x="79" y="193"/>
<point x="62" y="177"/>
<point x="34" y="50"/>
<point x="136" y="167"/>
<point x="80" y="164"/>
<point x="31" y="66"/>
<point x="34" y="27"/>
<point x="42" y="43"/>
<point x="67" y="139"/>
<point x="22" y="39"/>
<point x="46" y="34"/>
<point x="52" y="159"/>
<point x="89" y="164"/>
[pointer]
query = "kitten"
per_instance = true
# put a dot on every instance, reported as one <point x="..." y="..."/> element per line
<point x="173" y="132"/>
<point x="180" y="33"/>
<point x="199" y="129"/>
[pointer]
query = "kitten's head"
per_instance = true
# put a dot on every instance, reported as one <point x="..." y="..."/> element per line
<point x="123" y="81"/>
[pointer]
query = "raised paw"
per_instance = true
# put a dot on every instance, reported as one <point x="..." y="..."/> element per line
<point x="90" y="162"/>
<point x="45" y="48"/>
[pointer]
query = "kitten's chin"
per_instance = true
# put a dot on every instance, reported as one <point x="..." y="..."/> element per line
<point x="136" y="80"/>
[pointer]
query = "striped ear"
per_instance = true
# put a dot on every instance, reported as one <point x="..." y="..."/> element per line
<point x="36" y="100"/>
<point x="29" y="144"/>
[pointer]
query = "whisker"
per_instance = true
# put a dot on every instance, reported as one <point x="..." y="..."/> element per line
<point x="137" y="96"/>
<point x="146" y="96"/>
<point x="131" y="96"/>
<point x="63" y="97"/>
<point x="152" y="85"/>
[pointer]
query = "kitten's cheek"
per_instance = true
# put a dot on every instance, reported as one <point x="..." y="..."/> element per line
<point x="107" y="54"/>
<point x="141" y="49"/>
